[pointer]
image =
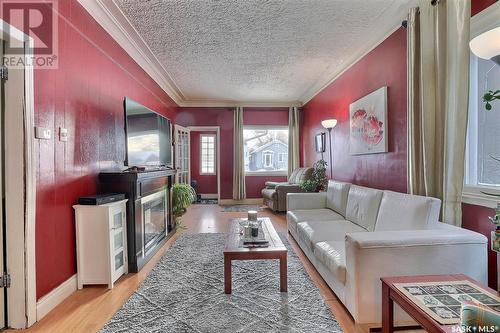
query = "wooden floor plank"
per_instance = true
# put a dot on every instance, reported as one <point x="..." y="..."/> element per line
<point x="89" y="309"/>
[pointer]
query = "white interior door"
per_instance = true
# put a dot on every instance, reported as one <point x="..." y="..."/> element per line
<point x="182" y="155"/>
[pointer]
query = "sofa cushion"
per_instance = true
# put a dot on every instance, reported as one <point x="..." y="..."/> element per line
<point x="337" y="195"/>
<point x="297" y="216"/>
<point x="362" y="206"/>
<point x="312" y="232"/>
<point x="332" y="255"/>
<point x="400" y="211"/>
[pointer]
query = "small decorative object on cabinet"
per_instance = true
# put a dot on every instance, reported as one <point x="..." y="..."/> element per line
<point x="101" y="243"/>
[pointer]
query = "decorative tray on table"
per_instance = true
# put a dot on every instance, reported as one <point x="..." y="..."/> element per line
<point x="262" y="239"/>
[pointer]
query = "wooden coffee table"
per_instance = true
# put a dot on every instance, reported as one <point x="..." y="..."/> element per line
<point x="235" y="251"/>
<point x="391" y="294"/>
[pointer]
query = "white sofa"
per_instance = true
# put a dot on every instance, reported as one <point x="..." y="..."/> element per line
<point x="355" y="235"/>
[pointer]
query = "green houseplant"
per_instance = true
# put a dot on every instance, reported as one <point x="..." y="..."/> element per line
<point x="489" y="97"/>
<point x="318" y="181"/>
<point x="183" y="195"/>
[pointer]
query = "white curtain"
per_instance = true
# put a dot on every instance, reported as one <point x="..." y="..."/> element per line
<point x="438" y="81"/>
<point x="293" y="139"/>
<point x="239" y="191"/>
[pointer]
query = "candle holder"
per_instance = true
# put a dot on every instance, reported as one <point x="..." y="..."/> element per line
<point x="252" y="216"/>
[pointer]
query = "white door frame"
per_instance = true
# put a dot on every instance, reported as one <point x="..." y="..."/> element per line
<point x="20" y="169"/>
<point x="176" y="137"/>
<point x="215" y="129"/>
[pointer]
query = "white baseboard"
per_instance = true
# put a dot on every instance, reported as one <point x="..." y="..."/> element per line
<point x="257" y="201"/>
<point x="209" y="196"/>
<point x="55" y="297"/>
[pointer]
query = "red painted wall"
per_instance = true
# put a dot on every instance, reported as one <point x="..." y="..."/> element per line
<point x="476" y="218"/>
<point x="207" y="184"/>
<point x="479" y="5"/>
<point x="223" y="117"/>
<point x="383" y="66"/>
<point x="85" y="95"/>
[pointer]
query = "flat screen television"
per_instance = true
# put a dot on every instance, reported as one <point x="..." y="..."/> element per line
<point x="148" y="137"/>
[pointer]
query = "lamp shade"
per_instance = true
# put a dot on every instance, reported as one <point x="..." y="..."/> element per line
<point x="487" y="45"/>
<point x="329" y="123"/>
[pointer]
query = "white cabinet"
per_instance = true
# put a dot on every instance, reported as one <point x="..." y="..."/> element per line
<point x="101" y="243"/>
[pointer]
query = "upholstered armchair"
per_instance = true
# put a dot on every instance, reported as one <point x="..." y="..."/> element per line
<point x="274" y="194"/>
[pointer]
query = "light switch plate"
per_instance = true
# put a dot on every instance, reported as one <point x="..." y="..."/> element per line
<point x="43" y="133"/>
<point x="63" y="134"/>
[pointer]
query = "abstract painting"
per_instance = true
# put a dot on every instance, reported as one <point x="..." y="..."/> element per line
<point x="368" y="124"/>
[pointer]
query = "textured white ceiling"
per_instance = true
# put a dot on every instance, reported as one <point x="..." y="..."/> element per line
<point x="256" y="51"/>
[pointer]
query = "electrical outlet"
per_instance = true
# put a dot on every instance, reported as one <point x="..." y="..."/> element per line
<point x="63" y="134"/>
<point x="43" y="133"/>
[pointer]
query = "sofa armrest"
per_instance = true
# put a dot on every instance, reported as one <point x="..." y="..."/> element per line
<point x="373" y="255"/>
<point x="272" y="185"/>
<point x="288" y="188"/>
<point x="297" y="201"/>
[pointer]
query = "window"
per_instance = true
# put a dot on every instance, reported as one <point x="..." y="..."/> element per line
<point x="282" y="157"/>
<point x="482" y="168"/>
<point x="266" y="150"/>
<point x="207" y="154"/>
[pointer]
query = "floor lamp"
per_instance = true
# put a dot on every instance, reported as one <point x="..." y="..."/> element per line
<point x="329" y="124"/>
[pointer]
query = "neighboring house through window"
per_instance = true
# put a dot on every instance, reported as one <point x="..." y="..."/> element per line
<point x="266" y="150"/>
<point x="207" y="154"/>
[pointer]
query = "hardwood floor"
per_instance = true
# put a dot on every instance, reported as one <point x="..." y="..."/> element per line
<point x="87" y="310"/>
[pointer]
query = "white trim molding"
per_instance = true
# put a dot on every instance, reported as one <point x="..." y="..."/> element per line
<point x="209" y="195"/>
<point x="20" y="183"/>
<point x="477" y="195"/>
<point x="48" y="302"/>
<point x="227" y="202"/>
<point x="113" y="20"/>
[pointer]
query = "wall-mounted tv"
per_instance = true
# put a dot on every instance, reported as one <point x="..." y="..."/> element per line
<point x="148" y="137"/>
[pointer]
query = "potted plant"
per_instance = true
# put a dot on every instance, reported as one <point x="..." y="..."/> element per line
<point x="183" y="195"/>
<point x="489" y="97"/>
<point x="318" y="181"/>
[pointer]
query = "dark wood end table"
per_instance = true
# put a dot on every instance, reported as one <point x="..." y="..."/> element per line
<point x="391" y="294"/>
<point x="234" y="251"/>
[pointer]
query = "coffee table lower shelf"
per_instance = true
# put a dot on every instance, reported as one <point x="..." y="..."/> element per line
<point x="234" y="251"/>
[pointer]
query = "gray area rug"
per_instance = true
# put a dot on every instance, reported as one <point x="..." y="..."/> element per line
<point x="241" y="208"/>
<point x="185" y="293"/>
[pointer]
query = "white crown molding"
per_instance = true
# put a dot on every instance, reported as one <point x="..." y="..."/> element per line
<point x="221" y="103"/>
<point x="112" y="19"/>
<point x="485" y="20"/>
<point x="320" y="85"/>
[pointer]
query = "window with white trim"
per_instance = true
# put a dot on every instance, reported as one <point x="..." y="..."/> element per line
<point x="207" y="154"/>
<point x="266" y="150"/>
<point x="482" y="170"/>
